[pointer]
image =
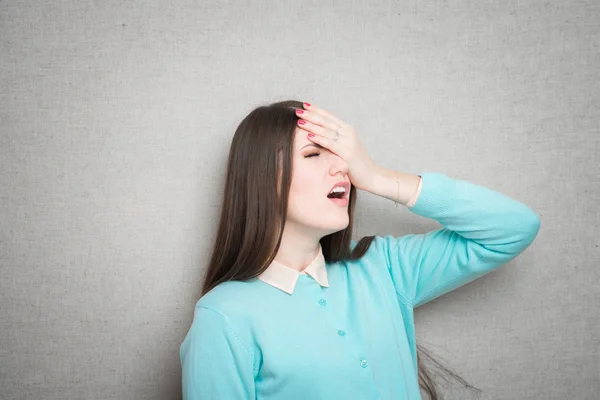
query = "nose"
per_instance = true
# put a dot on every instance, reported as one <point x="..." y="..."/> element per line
<point x="338" y="164"/>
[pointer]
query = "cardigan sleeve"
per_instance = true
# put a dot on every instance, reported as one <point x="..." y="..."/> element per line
<point x="215" y="363"/>
<point x="482" y="230"/>
<point x="415" y="196"/>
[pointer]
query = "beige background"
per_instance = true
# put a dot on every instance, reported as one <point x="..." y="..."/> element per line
<point x="116" y="118"/>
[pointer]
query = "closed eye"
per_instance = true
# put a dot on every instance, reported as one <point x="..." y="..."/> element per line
<point x="311" y="155"/>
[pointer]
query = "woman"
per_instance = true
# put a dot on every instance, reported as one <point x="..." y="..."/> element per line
<point x="291" y="307"/>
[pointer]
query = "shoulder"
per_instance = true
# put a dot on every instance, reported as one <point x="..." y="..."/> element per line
<point x="385" y="254"/>
<point x="229" y="297"/>
<point x="378" y="255"/>
<point x="221" y="327"/>
<point x="230" y="308"/>
<point x="380" y="246"/>
<point x="374" y="268"/>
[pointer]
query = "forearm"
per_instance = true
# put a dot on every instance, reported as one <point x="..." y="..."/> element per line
<point x="384" y="184"/>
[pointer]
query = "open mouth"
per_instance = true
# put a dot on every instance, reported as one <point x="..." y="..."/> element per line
<point x="337" y="195"/>
<point x="339" y="191"/>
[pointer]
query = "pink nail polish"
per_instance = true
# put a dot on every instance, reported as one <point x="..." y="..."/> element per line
<point x="307" y="104"/>
<point x="302" y="122"/>
<point x="300" y="111"/>
<point x="311" y="135"/>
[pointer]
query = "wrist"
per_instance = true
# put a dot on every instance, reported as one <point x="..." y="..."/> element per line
<point x="393" y="185"/>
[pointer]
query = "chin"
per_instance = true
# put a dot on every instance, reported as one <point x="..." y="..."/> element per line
<point x="340" y="226"/>
<point x="325" y="224"/>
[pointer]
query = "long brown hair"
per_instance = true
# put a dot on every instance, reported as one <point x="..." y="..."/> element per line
<point x="254" y="208"/>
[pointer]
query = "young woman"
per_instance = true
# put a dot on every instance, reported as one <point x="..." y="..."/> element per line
<point x="292" y="307"/>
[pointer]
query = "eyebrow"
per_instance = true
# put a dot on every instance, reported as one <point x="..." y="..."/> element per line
<point x="313" y="144"/>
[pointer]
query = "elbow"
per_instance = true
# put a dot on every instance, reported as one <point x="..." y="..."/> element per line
<point x="528" y="229"/>
<point x="519" y="237"/>
<point x="525" y="224"/>
<point x="531" y="227"/>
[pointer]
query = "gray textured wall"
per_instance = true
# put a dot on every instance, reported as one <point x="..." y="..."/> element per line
<point x="115" y="121"/>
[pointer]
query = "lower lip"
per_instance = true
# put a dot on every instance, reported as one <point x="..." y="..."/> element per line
<point x="341" y="202"/>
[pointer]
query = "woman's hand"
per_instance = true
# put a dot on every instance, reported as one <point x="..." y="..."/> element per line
<point x="322" y="128"/>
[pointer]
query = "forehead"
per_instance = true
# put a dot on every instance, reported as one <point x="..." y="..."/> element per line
<point x="302" y="142"/>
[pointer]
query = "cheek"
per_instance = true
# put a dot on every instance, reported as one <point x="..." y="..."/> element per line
<point x="305" y="195"/>
<point x="304" y="181"/>
<point x="302" y="193"/>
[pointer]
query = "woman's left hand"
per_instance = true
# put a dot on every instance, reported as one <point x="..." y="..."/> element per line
<point x="325" y="127"/>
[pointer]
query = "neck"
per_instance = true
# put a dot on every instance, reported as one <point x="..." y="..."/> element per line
<point x="297" y="250"/>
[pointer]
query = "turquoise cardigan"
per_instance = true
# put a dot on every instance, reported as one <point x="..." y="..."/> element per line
<point x="356" y="338"/>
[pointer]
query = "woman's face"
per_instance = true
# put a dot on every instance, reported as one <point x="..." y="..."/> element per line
<point x="316" y="171"/>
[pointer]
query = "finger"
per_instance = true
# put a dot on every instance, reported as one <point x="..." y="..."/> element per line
<point x="314" y="128"/>
<point x="324" y="113"/>
<point x="323" y="141"/>
<point x="318" y="120"/>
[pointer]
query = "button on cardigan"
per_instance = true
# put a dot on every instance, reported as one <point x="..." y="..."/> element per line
<point x="353" y="338"/>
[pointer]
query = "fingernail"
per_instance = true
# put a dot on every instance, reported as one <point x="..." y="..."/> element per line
<point x="302" y="122"/>
<point x="300" y="111"/>
<point x="307" y="104"/>
<point x="311" y="135"/>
